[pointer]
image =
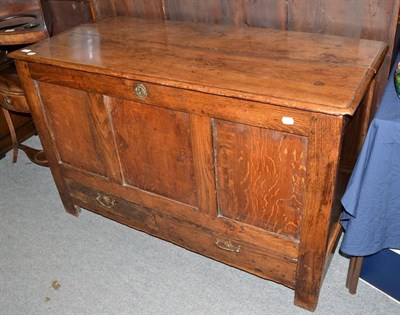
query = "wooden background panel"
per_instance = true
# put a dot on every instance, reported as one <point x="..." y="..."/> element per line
<point x="149" y="9"/>
<point x="206" y="11"/>
<point x="354" y="18"/>
<point x="367" y="19"/>
<point x="8" y="7"/>
<point x="265" y="13"/>
<point x="102" y="8"/>
<point x="262" y="13"/>
<point x="64" y="14"/>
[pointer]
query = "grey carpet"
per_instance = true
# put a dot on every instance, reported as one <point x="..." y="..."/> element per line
<point x="54" y="263"/>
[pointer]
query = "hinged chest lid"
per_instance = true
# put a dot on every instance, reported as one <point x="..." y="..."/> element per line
<point x="313" y="72"/>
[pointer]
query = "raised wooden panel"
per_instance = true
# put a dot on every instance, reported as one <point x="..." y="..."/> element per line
<point x="72" y="128"/>
<point x="155" y="151"/>
<point x="260" y="176"/>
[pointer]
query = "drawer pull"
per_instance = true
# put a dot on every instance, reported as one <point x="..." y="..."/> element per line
<point x="227" y="245"/>
<point x="140" y="91"/>
<point x="7" y="101"/>
<point x="106" y="201"/>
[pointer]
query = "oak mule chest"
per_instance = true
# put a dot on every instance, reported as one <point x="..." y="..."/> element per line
<point x="224" y="140"/>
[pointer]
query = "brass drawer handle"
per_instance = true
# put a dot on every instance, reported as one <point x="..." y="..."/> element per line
<point x="227" y="245"/>
<point x="7" y="101"/>
<point x="140" y="91"/>
<point x="106" y="201"/>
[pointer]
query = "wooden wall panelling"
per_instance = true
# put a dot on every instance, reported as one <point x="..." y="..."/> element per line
<point x="207" y="11"/>
<point x="8" y="7"/>
<point x="263" y="13"/>
<point x="367" y="19"/>
<point x="102" y="8"/>
<point x="63" y="14"/>
<point x="149" y="9"/>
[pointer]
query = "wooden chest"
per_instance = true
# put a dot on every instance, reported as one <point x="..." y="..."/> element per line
<point x="223" y="140"/>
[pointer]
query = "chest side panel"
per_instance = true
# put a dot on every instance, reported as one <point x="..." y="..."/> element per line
<point x="73" y="130"/>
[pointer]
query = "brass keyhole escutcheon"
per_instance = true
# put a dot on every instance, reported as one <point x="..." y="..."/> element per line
<point x="140" y="91"/>
<point x="7" y="101"/>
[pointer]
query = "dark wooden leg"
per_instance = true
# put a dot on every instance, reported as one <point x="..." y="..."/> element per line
<point x="353" y="273"/>
<point x="12" y="133"/>
<point x="36" y="156"/>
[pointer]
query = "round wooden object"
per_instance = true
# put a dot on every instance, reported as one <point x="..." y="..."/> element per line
<point x="22" y="28"/>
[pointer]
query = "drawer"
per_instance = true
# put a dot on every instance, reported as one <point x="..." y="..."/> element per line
<point x="234" y="252"/>
<point x="113" y="207"/>
<point x="15" y="103"/>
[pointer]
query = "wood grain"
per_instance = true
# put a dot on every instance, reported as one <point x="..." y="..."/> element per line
<point x="322" y="171"/>
<point x="260" y="176"/>
<point x="203" y="163"/>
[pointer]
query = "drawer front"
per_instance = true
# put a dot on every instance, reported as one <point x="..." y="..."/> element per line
<point x="200" y="238"/>
<point x="119" y="209"/>
<point x="234" y="252"/>
<point x="16" y="103"/>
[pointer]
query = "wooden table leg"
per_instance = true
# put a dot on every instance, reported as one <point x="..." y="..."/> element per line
<point x="353" y="273"/>
<point x="12" y="133"/>
<point x="36" y="156"/>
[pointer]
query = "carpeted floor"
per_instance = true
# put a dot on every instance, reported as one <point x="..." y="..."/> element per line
<point x="54" y="263"/>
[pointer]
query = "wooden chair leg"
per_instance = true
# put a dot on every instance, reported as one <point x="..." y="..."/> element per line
<point x="353" y="273"/>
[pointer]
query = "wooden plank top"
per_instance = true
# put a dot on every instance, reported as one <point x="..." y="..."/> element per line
<point x="314" y="72"/>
